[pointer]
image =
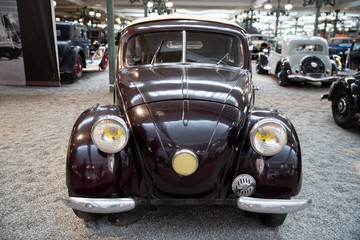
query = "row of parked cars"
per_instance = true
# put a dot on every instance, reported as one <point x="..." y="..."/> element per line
<point x="183" y="129"/>
<point x="307" y="59"/>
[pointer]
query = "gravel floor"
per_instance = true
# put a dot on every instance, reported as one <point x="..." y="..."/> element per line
<point x="34" y="132"/>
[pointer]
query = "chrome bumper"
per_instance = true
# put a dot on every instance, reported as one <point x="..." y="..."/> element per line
<point x="116" y="205"/>
<point x="312" y="79"/>
<point x="100" y="205"/>
<point x="275" y="206"/>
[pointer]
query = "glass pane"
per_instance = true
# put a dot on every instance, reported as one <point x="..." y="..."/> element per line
<point x="206" y="47"/>
<point x="141" y="48"/>
<point x="309" y="48"/>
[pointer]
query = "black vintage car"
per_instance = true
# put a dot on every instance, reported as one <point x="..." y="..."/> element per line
<point x="183" y="129"/>
<point x="345" y="100"/>
<point x="76" y="51"/>
<point x="99" y="35"/>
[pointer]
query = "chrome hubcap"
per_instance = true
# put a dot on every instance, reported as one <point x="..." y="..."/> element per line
<point x="342" y="105"/>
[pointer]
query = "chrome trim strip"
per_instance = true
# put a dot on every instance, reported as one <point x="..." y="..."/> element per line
<point x="308" y="78"/>
<point x="100" y="205"/>
<point x="274" y="206"/>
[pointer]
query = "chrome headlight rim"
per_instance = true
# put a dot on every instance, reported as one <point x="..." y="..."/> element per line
<point x="263" y="122"/>
<point x="117" y="120"/>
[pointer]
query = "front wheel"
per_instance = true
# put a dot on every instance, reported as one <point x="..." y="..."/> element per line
<point x="104" y="62"/>
<point x="341" y="109"/>
<point x="259" y="70"/>
<point x="282" y="79"/>
<point x="272" y="220"/>
<point x="78" y="69"/>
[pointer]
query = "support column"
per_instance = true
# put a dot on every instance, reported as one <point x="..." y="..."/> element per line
<point x="146" y="10"/>
<point x="317" y="15"/>
<point x="111" y="41"/>
<point x="336" y="20"/>
<point x="277" y="18"/>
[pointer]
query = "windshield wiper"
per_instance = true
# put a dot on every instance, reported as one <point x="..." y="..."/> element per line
<point x="157" y="52"/>
<point x="222" y="59"/>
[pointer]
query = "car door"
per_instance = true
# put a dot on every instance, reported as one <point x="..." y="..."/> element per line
<point x="275" y="56"/>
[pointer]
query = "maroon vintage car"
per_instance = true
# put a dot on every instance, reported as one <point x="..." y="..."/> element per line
<point x="183" y="129"/>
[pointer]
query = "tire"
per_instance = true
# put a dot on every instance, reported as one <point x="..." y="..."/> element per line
<point x="325" y="84"/>
<point x="88" y="216"/>
<point x="259" y="70"/>
<point x="341" y="111"/>
<point x="104" y="62"/>
<point x="272" y="220"/>
<point x="14" y="53"/>
<point x="282" y="79"/>
<point x="78" y="69"/>
<point x="85" y="215"/>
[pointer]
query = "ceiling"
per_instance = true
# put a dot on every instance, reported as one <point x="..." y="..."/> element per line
<point x="226" y="9"/>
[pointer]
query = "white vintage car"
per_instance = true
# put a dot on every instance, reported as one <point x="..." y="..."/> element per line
<point x="299" y="58"/>
<point x="257" y="42"/>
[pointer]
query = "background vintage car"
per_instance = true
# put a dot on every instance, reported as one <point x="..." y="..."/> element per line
<point x="257" y="43"/>
<point x="300" y="58"/>
<point x="76" y="51"/>
<point x="345" y="100"/>
<point x="183" y="129"/>
<point x="339" y="45"/>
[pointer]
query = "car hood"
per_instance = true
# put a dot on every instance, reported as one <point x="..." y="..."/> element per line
<point x="208" y="129"/>
<point x="208" y="83"/>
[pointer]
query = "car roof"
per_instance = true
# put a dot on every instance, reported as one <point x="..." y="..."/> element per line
<point x="293" y="38"/>
<point x="182" y="17"/>
<point x="71" y="24"/>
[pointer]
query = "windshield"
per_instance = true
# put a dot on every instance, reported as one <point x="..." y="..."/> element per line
<point x="167" y="47"/>
<point x="340" y="41"/>
<point x="254" y="38"/>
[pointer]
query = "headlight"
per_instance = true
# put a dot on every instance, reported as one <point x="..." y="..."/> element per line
<point x="110" y="134"/>
<point x="268" y="137"/>
<point x="185" y="162"/>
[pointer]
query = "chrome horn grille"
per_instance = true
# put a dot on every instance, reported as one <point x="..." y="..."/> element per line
<point x="244" y="185"/>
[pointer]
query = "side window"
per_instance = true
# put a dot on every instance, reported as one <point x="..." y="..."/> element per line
<point x="84" y="34"/>
<point x="356" y="46"/>
<point x="77" y="33"/>
<point x="278" y="47"/>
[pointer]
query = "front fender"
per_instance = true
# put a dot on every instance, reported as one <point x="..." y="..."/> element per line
<point x="263" y="60"/>
<point x="67" y="64"/>
<point x="285" y="63"/>
<point x="88" y="170"/>
<point x="282" y="173"/>
<point x="351" y="87"/>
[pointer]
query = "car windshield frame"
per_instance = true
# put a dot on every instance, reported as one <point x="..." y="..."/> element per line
<point x="199" y="48"/>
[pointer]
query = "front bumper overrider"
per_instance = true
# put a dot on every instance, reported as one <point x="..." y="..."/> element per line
<point x="250" y="204"/>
